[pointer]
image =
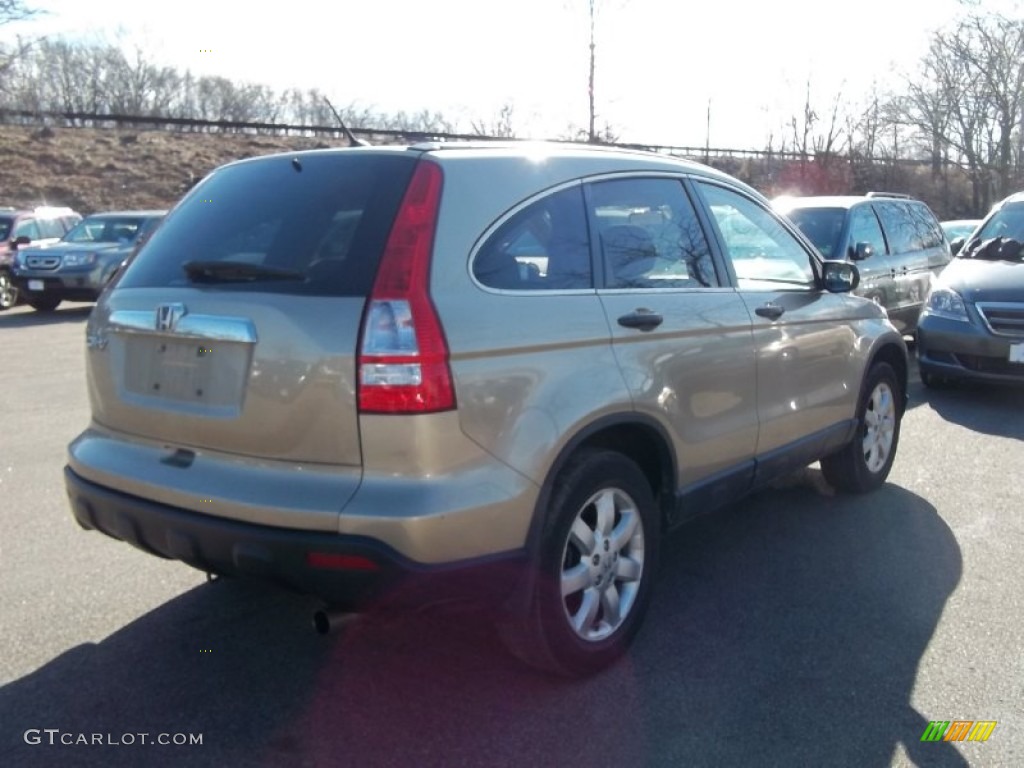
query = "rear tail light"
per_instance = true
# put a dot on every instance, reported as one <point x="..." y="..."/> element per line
<point x="403" y="355"/>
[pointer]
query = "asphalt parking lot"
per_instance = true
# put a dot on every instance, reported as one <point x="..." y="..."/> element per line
<point x="797" y="628"/>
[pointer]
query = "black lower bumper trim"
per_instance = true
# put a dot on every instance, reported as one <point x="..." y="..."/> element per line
<point x="279" y="555"/>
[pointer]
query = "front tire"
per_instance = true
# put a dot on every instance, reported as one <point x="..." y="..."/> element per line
<point x="8" y="293"/>
<point x="864" y="464"/>
<point x="594" y="568"/>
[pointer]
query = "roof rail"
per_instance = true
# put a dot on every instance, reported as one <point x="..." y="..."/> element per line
<point x="899" y="195"/>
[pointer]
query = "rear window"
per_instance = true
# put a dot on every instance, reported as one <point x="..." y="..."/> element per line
<point x="323" y="217"/>
<point x="823" y="227"/>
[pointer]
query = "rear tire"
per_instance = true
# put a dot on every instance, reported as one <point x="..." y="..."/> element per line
<point x="43" y="303"/>
<point x="593" y="571"/>
<point x="864" y="464"/>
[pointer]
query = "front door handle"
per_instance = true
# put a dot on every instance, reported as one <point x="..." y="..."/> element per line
<point x="643" y="319"/>
<point x="770" y="310"/>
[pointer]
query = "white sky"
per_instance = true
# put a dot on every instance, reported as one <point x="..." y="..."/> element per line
<point x="659" y="62"/>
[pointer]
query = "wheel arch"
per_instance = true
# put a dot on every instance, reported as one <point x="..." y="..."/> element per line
<point x="895" y="354"/>
<point x="634" y="435"/>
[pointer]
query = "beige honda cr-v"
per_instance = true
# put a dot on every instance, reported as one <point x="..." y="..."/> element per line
<point x="491" y="372"/>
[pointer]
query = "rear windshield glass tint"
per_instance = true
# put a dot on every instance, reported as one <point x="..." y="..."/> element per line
<point x="822" y="226"/>
<point x="323" y="215"/>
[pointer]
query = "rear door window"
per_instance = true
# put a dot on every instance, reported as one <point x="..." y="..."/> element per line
<point x="649" y="235"/>
<point x="321" y="218"/>
<point x="900" y="227"/>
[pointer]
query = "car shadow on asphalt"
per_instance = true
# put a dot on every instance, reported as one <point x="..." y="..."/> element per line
<point x="784" y="631"/>
<point x="29" y="317"/>
<point x="991" y="409"/>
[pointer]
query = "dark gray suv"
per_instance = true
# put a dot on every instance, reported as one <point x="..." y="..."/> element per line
<point x="896" y="241"/>
<point x="79" y="265"/>
<point x="491" y="372"/>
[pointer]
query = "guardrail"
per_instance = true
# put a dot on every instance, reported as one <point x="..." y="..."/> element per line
<point x="90" y="119"/>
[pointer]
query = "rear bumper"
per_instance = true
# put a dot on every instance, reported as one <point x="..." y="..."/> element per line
<point x="348" y="571"/>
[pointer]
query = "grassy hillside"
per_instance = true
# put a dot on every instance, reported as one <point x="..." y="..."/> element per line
<point x="97" y="169"/>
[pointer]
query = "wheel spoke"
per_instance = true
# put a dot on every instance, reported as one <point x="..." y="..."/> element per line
<point x="583" y="619"/>
<point x="628" y="569"/>
<point x="605" y="506"/>
<point x="575" y="579"/>
<point x="582" y="537"/>
<point x="625" y="530"/>
<point x="610" y="604"/>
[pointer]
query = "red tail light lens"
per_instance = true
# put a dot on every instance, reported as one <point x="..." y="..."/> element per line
<point x="403" y="355"/>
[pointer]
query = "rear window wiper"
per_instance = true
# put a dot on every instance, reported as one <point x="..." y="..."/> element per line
<point x="235" y="271"/>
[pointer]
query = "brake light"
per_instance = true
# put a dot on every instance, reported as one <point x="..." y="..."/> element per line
<point x="403" y="355"/>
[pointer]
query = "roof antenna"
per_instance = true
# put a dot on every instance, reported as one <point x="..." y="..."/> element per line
<point x="352" y="140"/>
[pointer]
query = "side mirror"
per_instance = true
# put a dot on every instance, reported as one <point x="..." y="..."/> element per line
<point x="21" y="240"/>
<point x="957" y="245"/>
<point x="862" y="251"/>
<point x="840" y="276"/>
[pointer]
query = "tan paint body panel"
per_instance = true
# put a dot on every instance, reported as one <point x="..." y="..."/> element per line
<point x="810" y="361"/>
<point x="695" y="373"/>
<point x="433" y="494"/>
<point x="275" y="493"/>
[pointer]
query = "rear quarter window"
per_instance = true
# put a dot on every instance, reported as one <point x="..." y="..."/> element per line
<point x="324" y="215"/>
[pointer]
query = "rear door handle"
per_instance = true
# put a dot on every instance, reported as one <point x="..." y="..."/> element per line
<point x="770" y="310"/>
<point x="643" y="319"/>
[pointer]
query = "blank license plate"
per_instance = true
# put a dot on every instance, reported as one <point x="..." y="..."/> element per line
<point x="36" y="285"/>
<point x="1017" y="353"/>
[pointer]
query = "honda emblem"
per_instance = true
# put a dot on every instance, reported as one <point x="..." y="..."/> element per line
<point x="168" y="315"/>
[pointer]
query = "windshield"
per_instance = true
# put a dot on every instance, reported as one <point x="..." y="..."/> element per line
<point x="1008" y="221"/>
<point x="5" y="228"/>
<point x="105" y="229"/>
<point x="822" y="226"/>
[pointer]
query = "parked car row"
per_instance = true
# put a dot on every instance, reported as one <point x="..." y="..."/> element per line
<point x="966" y="313"/>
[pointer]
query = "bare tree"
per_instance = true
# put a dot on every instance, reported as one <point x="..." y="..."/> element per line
<point x="968" y="103"/>
<point x="10" y="52"/>
<point x="501" y="126"/>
